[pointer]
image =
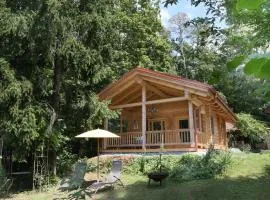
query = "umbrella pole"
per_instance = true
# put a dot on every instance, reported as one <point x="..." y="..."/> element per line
<point x="98" y="160"/>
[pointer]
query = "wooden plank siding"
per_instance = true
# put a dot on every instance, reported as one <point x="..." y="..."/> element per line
<point x="170" y="113"/>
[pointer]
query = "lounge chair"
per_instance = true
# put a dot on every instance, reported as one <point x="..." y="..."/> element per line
<point x="5" y="187"/>
<point x="77" y="178"/>
<point x="112" y="178"/>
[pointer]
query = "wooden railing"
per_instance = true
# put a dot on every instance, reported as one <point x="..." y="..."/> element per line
<point x="153" y="138"/>
<point x="125" y="139"/>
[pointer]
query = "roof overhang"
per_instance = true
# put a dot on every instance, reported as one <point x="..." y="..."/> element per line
<point x="193" y="87"/>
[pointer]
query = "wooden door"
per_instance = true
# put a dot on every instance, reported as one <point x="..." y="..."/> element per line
<point x="155" y="128"/>
<point x="155" y="125"/>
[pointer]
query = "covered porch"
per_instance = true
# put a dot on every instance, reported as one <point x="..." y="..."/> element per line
<point x="156" y="121"/>
<point x="162" y="112"/>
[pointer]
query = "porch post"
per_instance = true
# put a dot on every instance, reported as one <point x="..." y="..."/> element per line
<point x="191" y="122"/>
<point x="143" y="117"/>
<point x="105" y="139"/>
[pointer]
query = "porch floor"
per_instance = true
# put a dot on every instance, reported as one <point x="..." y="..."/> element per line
<point x="148" y="153"/>
<point x="158" y="150"/>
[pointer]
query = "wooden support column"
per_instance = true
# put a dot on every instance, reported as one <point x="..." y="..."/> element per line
<point x="191" y="123"/>
<point x="105" y="139"/>
<point x="225" y="136"/>
<point x="144" y="117"/>
<point x="212" y="125"/>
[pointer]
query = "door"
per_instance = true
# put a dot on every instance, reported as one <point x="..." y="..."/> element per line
<point x="155" y="125"/>
<point x="184" y="133"/>
<point x="154" y="129"/>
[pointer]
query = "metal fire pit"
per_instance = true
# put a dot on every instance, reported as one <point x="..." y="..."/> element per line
<point x="157" y="177"/>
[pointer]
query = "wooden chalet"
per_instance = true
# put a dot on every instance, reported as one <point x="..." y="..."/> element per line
<point x="164" y="112"/>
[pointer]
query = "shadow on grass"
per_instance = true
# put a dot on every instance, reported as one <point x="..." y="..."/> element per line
<point x="267" y="170"/>
<point x="226" y="188"/>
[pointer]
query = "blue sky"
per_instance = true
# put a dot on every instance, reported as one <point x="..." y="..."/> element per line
<point x="183" y="6"/>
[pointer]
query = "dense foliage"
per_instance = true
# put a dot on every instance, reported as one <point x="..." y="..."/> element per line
<point x="193" y="167"/>
<point x="146" y="164"/>
<point x="206" y="52"/>
<point x="56" y="55"/>
<point x="251" y="128"/>
<point x="183" y="168"/>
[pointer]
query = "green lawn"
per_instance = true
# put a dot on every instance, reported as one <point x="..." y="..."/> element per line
<point x="247" y="178"/>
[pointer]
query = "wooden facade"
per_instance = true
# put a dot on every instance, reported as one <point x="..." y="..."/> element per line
<point x="160" y="111"/>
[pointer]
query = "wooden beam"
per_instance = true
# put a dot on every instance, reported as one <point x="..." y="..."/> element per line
<point x="166" y="100"/>
<point x="187" y="94"/>
<point x="156" y="90"/>
<point x="132" y="91"/>
<point x="191" y="122"/>
<point x="176" y="86"/>
<point x="126" y="105"/>
<point x="118" y="90"/>
<point x="144" y="117"/>
<point x="196" y="102"/>
<point x="151" y="87"/>
<point x="174" y="99"/>
<point x="134" y="97"/>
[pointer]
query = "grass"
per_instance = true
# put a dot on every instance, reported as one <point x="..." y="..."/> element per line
<point x="247" y="178"/>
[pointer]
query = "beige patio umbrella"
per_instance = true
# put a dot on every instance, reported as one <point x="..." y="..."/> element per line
<point x="97" y="133"/>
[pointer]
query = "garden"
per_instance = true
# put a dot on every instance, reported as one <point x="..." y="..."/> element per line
<point x="239" y="176"/>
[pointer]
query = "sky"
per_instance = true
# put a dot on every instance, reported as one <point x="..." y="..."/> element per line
<point x="182" y="6"/>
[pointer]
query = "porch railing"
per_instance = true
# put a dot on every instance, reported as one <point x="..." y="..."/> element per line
<point x="153" y="138"/>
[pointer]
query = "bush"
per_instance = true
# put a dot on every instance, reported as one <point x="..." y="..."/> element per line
<point x="66" y="160"/>
<point x="145" y="164"/>
<point x="180" y="168"/>
<point x="105" y="165"/>
<point x="251" y="128"/>
<point x="193" y="167"/>
<point x="245" y="148"/>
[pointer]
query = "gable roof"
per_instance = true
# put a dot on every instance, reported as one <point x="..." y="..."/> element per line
<point x="194" y="86"/>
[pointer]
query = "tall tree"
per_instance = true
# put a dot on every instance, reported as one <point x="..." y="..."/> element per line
<point x="59" y="54"/>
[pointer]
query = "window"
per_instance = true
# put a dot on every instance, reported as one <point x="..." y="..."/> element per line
<point x="183" y="124"/>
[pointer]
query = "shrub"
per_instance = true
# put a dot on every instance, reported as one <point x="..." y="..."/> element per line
<point x="66" y="160"/>
<point x="104" y="165"/>
<point x="146" y="164"/>
<point x="251" y="128"/>
<point x="193" y="167"/>
<point x="245" y="148"/>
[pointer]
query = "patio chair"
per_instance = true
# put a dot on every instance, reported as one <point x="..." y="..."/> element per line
<point x="112" y="178"/>
<point x="5" y="187"/>
<point x="77" y="178"/>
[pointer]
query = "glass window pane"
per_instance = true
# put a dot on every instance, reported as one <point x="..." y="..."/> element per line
<point x="183" y="124"/>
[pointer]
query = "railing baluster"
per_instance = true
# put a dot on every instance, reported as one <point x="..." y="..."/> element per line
<point x="162" y="137"/>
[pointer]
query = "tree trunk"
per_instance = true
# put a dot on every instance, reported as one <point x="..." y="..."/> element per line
<point x="56" y="101"/>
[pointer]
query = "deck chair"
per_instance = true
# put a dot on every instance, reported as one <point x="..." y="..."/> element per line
<point x="77" y="178"/>
<point x="5" y="187"/>
<point x="112" y="178"/>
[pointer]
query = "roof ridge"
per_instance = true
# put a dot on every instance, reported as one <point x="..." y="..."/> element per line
<point x="139" y="68"/>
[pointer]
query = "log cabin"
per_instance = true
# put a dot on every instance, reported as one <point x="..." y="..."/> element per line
<point x="164" y="112"/>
